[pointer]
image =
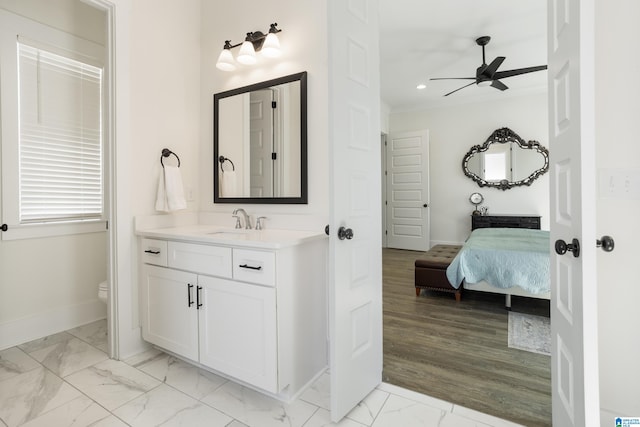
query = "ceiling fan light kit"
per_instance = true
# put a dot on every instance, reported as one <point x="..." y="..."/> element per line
<point x="488" y="75"/>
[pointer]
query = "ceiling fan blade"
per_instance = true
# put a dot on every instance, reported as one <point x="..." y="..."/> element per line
<point x="493" y="67"/>
<point x="454" y="78"/>
<point x="472" y="83"/>
<point x="518" y="71"/>
<point x="499" y="85"/>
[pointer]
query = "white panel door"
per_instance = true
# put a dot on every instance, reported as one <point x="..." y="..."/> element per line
<point x="574" y="358"/>
<point x="408" y="191"/>
<point x="355" y="264"/>
<point x="261" y="142"/>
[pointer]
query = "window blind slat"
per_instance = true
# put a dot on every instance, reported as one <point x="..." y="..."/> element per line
<point x="61" y="177"/>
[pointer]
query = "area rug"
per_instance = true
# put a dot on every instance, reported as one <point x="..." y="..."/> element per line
<point x="530" y="333"/>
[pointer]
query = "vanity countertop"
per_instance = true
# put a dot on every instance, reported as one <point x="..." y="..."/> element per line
<point x="212" y="234"/>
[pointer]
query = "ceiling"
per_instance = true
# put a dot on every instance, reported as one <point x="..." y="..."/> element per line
<point x="422" y="39"/>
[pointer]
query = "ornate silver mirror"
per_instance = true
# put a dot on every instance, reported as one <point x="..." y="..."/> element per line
<point x="505" y="161"/>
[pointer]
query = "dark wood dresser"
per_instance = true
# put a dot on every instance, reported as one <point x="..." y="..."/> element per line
<point x="505" y="221"/>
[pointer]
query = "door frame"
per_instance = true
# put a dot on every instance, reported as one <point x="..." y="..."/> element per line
<point x="111" y="172"/>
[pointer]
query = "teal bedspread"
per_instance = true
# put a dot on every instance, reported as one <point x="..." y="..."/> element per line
<point x="504" y="257"/>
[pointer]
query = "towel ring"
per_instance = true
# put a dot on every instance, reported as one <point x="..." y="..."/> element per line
<point x="166" y="153"/>
<point x="223" y="159"/>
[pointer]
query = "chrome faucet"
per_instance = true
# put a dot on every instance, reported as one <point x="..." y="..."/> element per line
<point x="247" y="219"/>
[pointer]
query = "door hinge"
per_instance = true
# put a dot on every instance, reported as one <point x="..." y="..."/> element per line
<point x="273" y="156"/>
<point x="274" y="104"/>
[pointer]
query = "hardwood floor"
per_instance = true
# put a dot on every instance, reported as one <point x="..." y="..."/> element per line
<point x="458" y="351"/>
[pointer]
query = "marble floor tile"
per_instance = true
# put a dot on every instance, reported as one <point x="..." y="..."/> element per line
<point x="14" y="361"/>
<point x="236" y="423"/>
<point x="45" y="342"/>
<point x="318" y="393"/>
<point x="183" y="376"/>
<point x="415" y="396"/>
<point x="29" y="395"/>
<point x="144" y="357"/>
<point x="93" y="333"/>
<point x="322" y="418"/>
<point x="79" y="412"/>
<point x="168" y="407"/>
<point x="398" y="411"/>
<point x="110" y="421"/>
<point x="367" y="410"/>
<point x="483" y="418"/>
<point x="69" y="356"/>
<point x="112" y="383"/>
<point x="257" y="409"/>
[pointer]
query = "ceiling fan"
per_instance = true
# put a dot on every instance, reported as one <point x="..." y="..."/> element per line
<point x="488" y="75"/>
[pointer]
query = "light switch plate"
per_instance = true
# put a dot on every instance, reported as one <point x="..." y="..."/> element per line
<point x="619" y="183"/>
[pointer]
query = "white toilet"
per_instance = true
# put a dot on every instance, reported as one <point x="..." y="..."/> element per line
<point x="103" y="291"/>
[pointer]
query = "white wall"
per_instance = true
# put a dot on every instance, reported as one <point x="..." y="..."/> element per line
<point x="452" y="131"/>
<point x="165" y="95"/>
<point x="157" y="95"/>
<point x="617" y="107"/>
<point x="72" y="16"/>
<point x="303" y="42"/>
<point x="51" y="284"/>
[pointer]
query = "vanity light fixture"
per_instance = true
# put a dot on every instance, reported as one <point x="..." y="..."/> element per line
<point x="267" y="44"/>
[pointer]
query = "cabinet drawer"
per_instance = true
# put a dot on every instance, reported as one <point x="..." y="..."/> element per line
<point x="203" y="259"/>
<point x="154" y="252"/>
<point x="254" y="266"/>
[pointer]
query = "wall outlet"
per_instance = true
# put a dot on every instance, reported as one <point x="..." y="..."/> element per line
<point x="189" y="194"/>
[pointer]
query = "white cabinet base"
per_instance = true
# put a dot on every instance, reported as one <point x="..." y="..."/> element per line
<point x="261" y="323"/>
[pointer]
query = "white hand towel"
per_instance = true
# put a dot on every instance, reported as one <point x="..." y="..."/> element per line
<point x="228" y="184"/>
<point x="170" y="195"/>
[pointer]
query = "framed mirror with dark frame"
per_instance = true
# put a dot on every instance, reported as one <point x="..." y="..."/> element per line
<point x="260" y="142"/>
<point x="505" y="160"/>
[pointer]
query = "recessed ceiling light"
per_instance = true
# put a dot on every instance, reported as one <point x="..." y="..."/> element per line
<point x="421" y="86"/>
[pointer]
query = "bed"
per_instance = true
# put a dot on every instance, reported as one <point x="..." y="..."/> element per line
<point x="510" y="261"/>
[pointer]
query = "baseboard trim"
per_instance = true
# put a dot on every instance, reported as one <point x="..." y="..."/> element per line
<point x="19" y="331"/>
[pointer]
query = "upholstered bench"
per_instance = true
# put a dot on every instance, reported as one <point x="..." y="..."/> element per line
<point x="431" y="270"/>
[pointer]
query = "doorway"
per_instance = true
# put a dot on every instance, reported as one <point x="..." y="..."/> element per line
<point x="448" y="206"/>
<point x="69" y="242"/>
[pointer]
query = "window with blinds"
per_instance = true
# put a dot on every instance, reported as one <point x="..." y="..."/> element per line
<point x="60" y="138"/>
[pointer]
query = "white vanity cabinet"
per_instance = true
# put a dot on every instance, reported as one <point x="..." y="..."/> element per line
<point x="254" y="315"/>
